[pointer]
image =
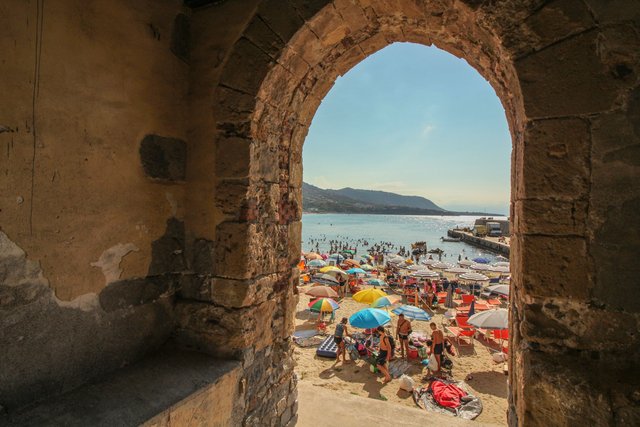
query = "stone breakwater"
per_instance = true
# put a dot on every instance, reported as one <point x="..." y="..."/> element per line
<point x="481" y="242"/>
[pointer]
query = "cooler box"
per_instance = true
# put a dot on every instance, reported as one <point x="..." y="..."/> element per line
<point x="413" y="353"/>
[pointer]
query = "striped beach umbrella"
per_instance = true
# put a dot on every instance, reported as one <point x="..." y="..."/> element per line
<point x="323" y="305"/>
<point x="412" y="312"/>
<point x="386" y="301"/>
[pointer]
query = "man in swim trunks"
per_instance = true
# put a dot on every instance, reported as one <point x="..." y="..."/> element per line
<point x="403" y="331"/>
<point x="338" y="338"/>
<point x="437" y="344"/>
<point x="384" y="355"/>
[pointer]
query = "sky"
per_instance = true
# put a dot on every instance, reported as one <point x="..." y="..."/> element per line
<point x="413" y="120"/>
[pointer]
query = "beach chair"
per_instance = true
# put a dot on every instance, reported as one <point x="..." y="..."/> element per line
<point x="463" y="337"/>
<point x="467" y="299"/>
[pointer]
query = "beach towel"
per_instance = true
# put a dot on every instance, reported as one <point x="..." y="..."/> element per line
<point x="470" y="406"/>
<point x="447" y="395"/>
<point x="398" y="367"/>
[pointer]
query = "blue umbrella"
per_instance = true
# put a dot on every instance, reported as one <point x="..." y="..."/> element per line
<point x="369" y="318"/>
<point x="337" y="257"/>
<point x="377" y="282"/>
<point x="356" y="271"/>
<point x="481" y="260"/>
<point x="412" y="312"/>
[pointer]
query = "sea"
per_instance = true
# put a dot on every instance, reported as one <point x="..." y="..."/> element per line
<point x="361" y="231"/>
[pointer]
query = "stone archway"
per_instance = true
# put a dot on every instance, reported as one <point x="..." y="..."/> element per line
<point x="562" y="85"/>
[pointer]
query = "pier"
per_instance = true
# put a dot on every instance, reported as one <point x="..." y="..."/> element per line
<point x="480" y="242"/>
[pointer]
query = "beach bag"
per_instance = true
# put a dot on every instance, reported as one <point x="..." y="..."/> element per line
<point x="407" y="383"/>
<point x="433" y="363"/>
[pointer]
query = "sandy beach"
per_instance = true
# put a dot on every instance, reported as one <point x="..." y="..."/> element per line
<point x="487" y="381"/>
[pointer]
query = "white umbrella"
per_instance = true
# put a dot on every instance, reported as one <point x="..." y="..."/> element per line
<point x="441" y="266"/>
<point x="481" y="267"/>
<point x="465" y="263"/>
<point x="457" y="270"/>
<point x="425" y="274"/>
<point x="501" y="264"/>
<point x="499" y="269"/>
<point x="498" y="318"/>
<point x="502" y="258"/>
<point x="430" y="262"/>
<point x="499" y="289"/>
<point x="474" y="277"/>
<point x="416" y="267"/>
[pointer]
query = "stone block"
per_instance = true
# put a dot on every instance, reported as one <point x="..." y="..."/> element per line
<point x="352" y="14"/>
<point x="281" y="17"/>
<point x="233" y="157"/>
<point x="168" y="251"/>
<point x="550" y="217"/>
<point x="242" y="293"/>
<point x="555" y="160"/>
<point x="308" y="8"/>
<point x="373" y="44"/>
<point x="164" y="158"/>
<point x="246" y="67"/>
<point x="201" y="253"/>
<point x="233" y="259"/>
<point x="566" y="79"/>
<point x="553" y="266"/>
<point x="195" y="287"/>
<point x="233" y="106"/>
<point x="614" y="250"/>
<point x="261" y="35"/>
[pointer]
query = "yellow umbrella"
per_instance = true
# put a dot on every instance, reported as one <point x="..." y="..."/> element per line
<point x="329" y="268"/>
<point x="368" y="296"/>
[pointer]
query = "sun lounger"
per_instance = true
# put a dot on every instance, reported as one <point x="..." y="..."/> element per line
<point x="462" y="336"/>
<point x="328" y="348"/>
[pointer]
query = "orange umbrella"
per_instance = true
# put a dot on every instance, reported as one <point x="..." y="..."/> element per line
<point x="351" y="263"/>
<point x="312" y="255"/>
<point x="322" y="291"/>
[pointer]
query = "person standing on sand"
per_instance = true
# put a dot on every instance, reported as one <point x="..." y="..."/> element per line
<point x="338" y="338"/>
<point x="437" y="345"/>
<point x="384" y="355"/>
<point x="403" y="331"/>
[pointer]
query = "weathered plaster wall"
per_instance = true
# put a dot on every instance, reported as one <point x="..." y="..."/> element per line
<point x="89" y="232"/>
<point x="83" y="83"/>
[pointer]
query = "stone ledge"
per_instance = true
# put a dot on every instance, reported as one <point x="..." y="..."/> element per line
<point x="160" y="390"/>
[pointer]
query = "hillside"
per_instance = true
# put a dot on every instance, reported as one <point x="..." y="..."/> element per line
<point x="349" y="200"/>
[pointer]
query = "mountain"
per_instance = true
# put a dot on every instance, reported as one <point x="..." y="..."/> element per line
<point x="387" y="199"/>
<point x="349" y="200"/>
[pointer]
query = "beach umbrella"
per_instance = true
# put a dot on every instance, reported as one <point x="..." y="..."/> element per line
<point x="324" y="256"/>
<point x="502" y="258"/>
<point x="349" y="251"/>
<point x="457" y="270"/>
<point x="430" y="262"/>
<point x="351" y="263"/>
<point x="416" y="267"/>
<point x="322" y="292"/>
<point x="412" y="312"/>
<point x="499" y="289"/>
<point x="502" y="264"/>
<point x="316" y="263"/>
<point x="481" y="260"/>
<point x="481" y="267"/>
<point x="356" y="271"/>
<point x="337" y="257"/>
<point x="499" y="269"/>
<point x="473" y="277"/>
<point x="441" y="266"/>
<point x="377" y="282"/>
<point x="312" y="256"/>
<point x="367" y="267"/>
<point x="325" y="278"/>
<point x="465" y="263"/>
<point x="323" y="305"/>
<point x="368" y="296"/>
<point x="472" y="308"/>
<point x="330" y="268"/>
<point x="369" y="318"/>
<point x="498" y="318"/>
<point x="425" y="274"/>
<point x="386" y="300"/>
<point x="448" y="302"/>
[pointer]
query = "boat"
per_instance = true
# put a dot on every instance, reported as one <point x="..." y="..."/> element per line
<point x="451" y="239"/>
<point x="436" y="251"/>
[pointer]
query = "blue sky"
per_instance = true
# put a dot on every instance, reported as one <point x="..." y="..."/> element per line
<point x="413" y="120"/>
